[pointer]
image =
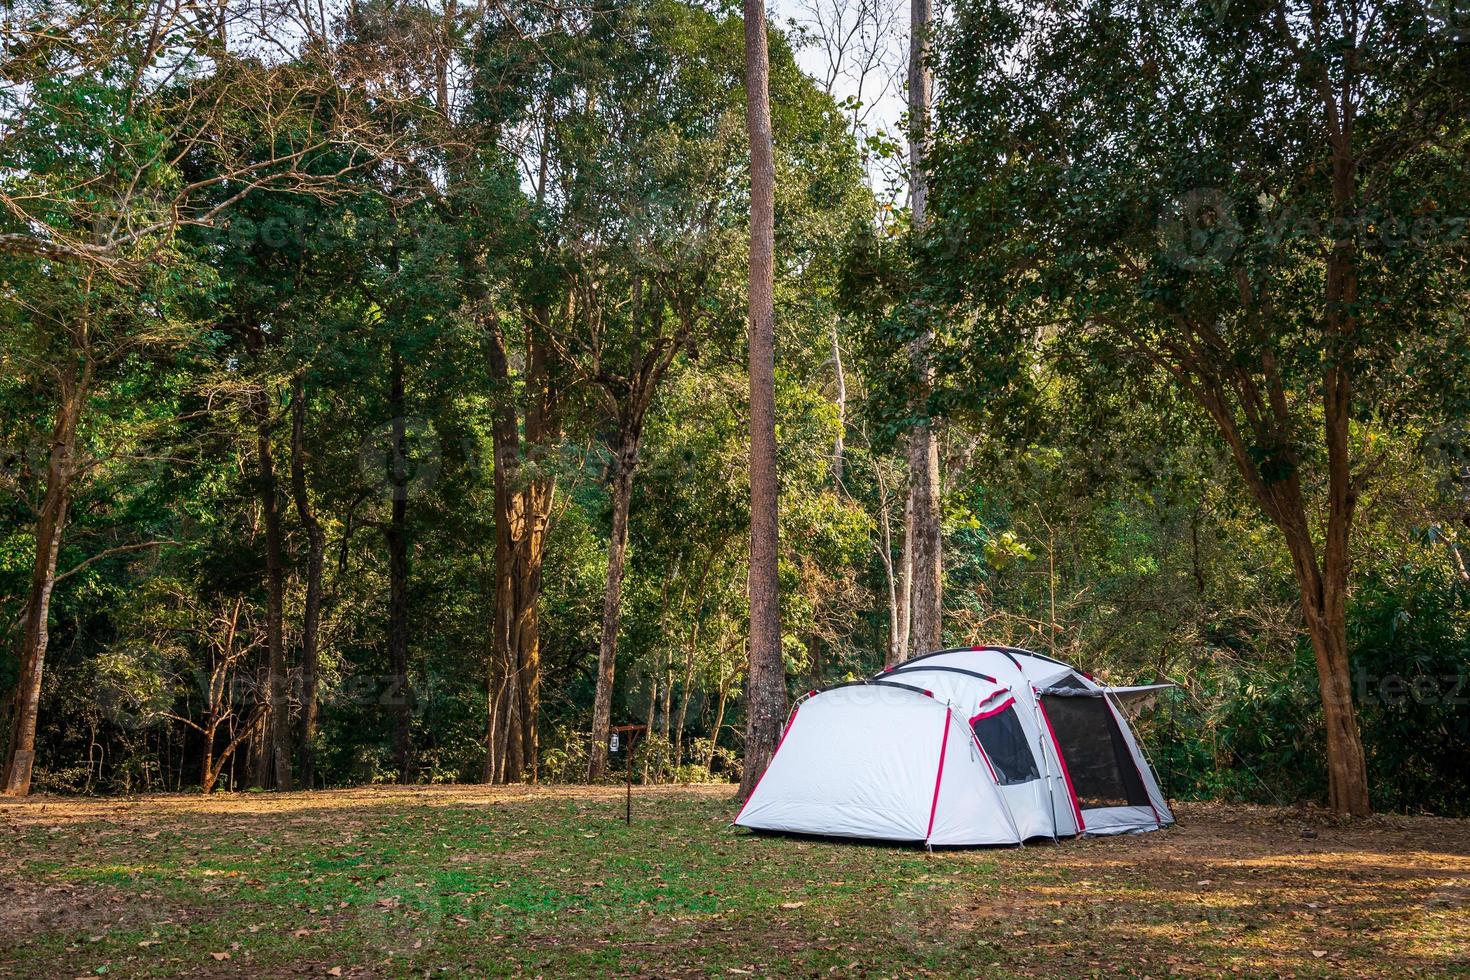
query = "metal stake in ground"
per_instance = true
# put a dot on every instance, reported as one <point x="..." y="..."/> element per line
<point x="632" y="733"/>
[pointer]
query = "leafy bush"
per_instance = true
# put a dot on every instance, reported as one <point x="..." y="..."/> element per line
<point x="1256" y="734"/>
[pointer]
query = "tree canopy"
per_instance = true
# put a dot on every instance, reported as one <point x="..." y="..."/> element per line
<point x="376" y="400"/>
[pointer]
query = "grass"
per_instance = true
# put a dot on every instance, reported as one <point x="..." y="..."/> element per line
<point x="472" y="880"/>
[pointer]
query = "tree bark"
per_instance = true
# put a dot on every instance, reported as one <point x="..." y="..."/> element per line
<point x="840" y="379"/>
<point x="396" y="535"/>
<point x="1346" y="762"/>
<point x="625" y="460"/>
<point x="523" y="503"/>
<point x="927" y="561"/>
<point x="50" y="525"/>
<point x="668" y="706"/>
<point x="765" y="696"/>
<point x="651" y="717"/>
<point x="316" y="546"/>
<point x="895" y="575"/>
<point x="926" y="632"/>
<point x="278" y="693"/>
<point x="906" y="582"/>
<point x="1347" y="773"/>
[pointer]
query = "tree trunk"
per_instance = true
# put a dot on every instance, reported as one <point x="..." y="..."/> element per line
<point x="925" y="584"/>
<point x="1347" y="766"/>
<point x="625" y="460"/>
<point x="668" y="705"/>
<point x="765" y="696"/>
<point x="257" y="752"/>
<point x="208" y="772"/>
<point x="905" y="584"/>
<point x="396" y="534"/>
<point x="279" y="740"/>
<point x="897" y="611"/>
<point x="840" y="378"/>
<point x="50" y="525"/>
<point x="522" y="517"/>
<point x="316" y="546"/>
<point x="211" y="773"/>
<point x="927" y="558"/>
<point x="1347" y="771"/>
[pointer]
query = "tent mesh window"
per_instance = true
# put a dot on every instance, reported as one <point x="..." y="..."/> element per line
<point x="1102" y="770"/>
<point x="1004" y="742"/>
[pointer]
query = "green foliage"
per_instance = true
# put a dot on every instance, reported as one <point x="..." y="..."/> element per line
<point x="1411" y="641"/>
<point x="582" y="190"/>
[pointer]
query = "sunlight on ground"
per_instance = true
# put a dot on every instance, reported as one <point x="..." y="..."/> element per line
<point x="387" y="881"/>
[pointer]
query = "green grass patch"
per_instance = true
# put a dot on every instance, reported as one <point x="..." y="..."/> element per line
<point x="474" y="882"/>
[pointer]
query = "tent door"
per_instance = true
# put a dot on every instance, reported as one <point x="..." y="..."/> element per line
<point x="1101" y="768"/>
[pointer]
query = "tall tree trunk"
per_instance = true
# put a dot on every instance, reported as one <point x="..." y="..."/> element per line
<point x="1324" y="589"/>
<point x="905" y="584"/>
<point x="1347" y="771"/>
<point x="765" y="695"/>
<point x="522" y="517"/>
<point x="926" y="588"/>
<point x="668" y="706"/>
<point x="1346" y="762"/>
<point x="279" y="740"/>
<point x="316" y="546"/>
<point x="396" y="534"/>
<point x="927" y="562"/>
<point x="50" y="525"/>
<point x="897" y="608"/>
<point x="625" y="460"/>
<point x="840" y="378"/>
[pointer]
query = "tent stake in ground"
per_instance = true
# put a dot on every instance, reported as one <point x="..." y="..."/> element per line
<point x="631" y="731"/>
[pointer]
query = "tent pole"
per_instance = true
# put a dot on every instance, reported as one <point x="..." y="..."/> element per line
<point x="1051" y="794"/>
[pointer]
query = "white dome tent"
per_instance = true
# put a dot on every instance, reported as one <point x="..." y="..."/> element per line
<point x="980" y="745"/>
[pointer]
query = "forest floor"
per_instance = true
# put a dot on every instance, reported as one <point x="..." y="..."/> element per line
<point x="473" y="880"/>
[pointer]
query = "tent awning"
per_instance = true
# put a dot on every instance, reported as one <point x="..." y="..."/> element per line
<point x="1137" y="692"/>
<point x="1126" y="696"/>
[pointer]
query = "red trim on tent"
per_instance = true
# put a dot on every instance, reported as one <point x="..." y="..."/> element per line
<point x="938" y="777"/>
<point x="986" y="714"/>
<point x="976" y="740"/>
<point x="994" y="694"/>
<point x="993" y="711"/>
<point x="786" y="731"/>
<point x="1066" y="776"/>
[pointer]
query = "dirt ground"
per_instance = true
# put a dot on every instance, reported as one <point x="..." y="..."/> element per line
<point x="519" y="881"/>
